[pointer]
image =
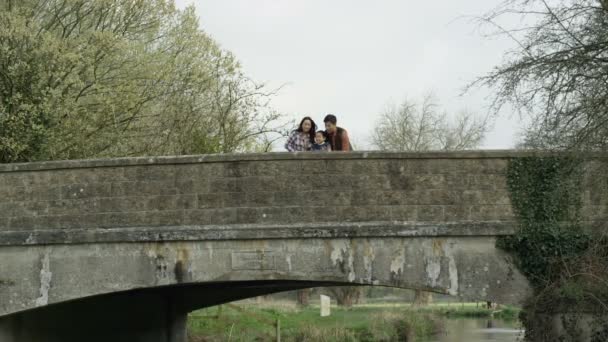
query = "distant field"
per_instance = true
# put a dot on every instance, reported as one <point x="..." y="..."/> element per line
<point x="257" y="321"/>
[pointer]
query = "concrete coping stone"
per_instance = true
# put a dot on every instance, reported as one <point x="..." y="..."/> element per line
<point x="379" y="229"/>
<point x="278" y="156"/>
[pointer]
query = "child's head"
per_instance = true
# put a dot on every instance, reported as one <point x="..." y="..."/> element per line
<point x="320" y="137"/>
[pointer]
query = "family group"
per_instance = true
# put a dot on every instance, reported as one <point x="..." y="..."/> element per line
<point x="307" y="138"/>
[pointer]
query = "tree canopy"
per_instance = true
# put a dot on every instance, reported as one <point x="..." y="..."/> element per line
<point x="423" y="126"/>
<point x="558" y="72"/>
<point x="98" y="78"/>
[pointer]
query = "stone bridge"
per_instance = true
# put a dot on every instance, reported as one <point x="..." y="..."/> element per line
<point x="122" y="249"/>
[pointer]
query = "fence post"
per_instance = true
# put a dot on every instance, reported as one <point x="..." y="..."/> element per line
<point x="278" y="325"/>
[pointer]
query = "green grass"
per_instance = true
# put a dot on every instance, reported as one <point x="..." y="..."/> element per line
<point x="371" y="322"/>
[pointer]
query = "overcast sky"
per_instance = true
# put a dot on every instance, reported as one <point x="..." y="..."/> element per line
<point x="351" y="57"/>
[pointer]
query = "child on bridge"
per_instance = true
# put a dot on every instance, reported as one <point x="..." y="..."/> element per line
<point x="320" y="142"/>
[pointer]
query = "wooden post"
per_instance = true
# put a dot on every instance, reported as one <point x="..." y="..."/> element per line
<point x="278" y="325"/>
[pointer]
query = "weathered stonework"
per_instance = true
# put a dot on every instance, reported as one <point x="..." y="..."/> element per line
<point x="257" y="223"/>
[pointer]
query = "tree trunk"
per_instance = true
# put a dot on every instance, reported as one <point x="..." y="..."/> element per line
<point x="422" y="298"/>
<point x="304" y="297"/>
<point x="347" y="295"/>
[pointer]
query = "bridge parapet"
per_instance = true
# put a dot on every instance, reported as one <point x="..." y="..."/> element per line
<point x="257" y="190"/>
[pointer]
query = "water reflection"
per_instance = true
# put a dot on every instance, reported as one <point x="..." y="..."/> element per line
<point x="480" y="330"/>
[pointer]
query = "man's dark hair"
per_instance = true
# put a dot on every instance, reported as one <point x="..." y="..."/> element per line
<point x="330" y="118"/>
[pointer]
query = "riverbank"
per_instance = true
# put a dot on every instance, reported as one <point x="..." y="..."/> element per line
<point x="367" y="322"/>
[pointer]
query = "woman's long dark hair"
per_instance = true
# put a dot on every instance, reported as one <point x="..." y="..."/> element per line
<point x="313" y="128"/>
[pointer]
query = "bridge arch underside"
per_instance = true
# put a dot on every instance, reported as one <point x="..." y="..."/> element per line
<point x="148" y="288"/>
<point x="194" y="274"/>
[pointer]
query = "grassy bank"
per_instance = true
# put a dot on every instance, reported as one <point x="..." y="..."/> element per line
<point x="371" y="322"/>
<point x="452" y="310"/>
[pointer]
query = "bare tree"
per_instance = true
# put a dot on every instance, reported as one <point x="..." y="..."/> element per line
<point x="422" y="127"/>
<point x="558" y="71"/>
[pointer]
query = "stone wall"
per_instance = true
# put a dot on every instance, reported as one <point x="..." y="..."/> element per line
<point x="262" y="189"/>
<point x="254" y="189"/>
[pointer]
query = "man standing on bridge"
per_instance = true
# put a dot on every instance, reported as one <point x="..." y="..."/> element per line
<point x="336" y="136"/>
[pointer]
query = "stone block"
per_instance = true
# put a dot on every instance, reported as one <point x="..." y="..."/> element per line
<point x="505" y="213"/>
<point x="271" y="215"/>
<point x="457" y="213"/>
<point x="339" y="167"/>
<point x="442" y="197"/>
<point x="218" y="216"/>
<point x="491" y="213"/>
<point x="431" y="213"/>
<point x="127" y="219"/>
<point x="223" y="185"/>
<point x="498" y="197"/>
<point x="402" y="182"/>
<point x="404" y="213"/>
<point x="472" y="197"/>
<point x="124" y="189"/>
<point x="311" y="167"/>
<point x="325" y="306"/>
<point x="234" y="170"/>
<point x="486" y="182"/>
<point x="24" y="223"/>
<point x="83" y="190"/>
<point x="364" y="198"/>
<point x="155" y="173"/>
<point x="429" y="181"/>
<point x="259" y="183"/>
<point x="287" y="198"/>
<point x="322" y="214"/>
<point x="159" y="202"/>
<point x="416" y="197"/>
<point x="494" y="165"/>
<point x="192" y="186"/>
<point x="322" y="182"/>
<point x="10" y="209"/>
<point x="260" y="199"/>
<point x="26" y="194"/>
<point x="394" y="197"/>
<point x="81" y="206"/>
<point x="210" y="201"/>
<point x="442" y="166"/>
<point x="267" y="168"/>
<point x="123" y="204"/>
<point x="363" y="182"/>
<point x="365" y="213"/>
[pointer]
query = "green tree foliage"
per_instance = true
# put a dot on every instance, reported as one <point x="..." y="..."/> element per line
<point x="97" y="78"/>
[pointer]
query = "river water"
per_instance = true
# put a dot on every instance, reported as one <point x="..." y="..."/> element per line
<point x="479" y="330"/>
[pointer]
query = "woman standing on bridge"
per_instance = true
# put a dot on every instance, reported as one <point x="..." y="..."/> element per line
<point x="303" y="137"/>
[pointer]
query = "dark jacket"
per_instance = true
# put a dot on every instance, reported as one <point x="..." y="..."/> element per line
<point x="321" y="147"/>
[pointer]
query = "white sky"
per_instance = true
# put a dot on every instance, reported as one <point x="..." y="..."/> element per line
<point x="351" y="57"/>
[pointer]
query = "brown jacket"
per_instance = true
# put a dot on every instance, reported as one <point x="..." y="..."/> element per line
<point x="339" y="141"/>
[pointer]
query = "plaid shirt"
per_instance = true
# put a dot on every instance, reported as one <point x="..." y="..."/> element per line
<point x="298" y="142"/>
